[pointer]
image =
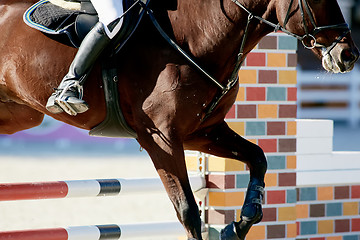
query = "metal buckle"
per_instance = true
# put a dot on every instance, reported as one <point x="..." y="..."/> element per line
<point x="256" y="201"/>
<point x="258" y="188"/>
<point x="311" y="38"/>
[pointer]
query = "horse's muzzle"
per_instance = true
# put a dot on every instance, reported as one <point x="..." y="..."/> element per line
<point x="348" y="57"/>
<point x="340" y="59"/>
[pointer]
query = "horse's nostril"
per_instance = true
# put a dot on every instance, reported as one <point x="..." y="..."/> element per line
<point x="347" y="55"/>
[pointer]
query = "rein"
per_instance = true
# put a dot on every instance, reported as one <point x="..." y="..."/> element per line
<point x="307" y="35"/>
<point x="234" y="75"/>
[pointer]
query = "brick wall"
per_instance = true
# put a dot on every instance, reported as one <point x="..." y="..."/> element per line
<point x="328" y="212"/>
<point x="328" y="192"/>
<point x="264" y="113"/>
<point x="309" y="195"/>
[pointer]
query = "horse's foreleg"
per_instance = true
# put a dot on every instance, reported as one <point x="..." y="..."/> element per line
<point x="167" y="155"/>
<point x="16" y="117"/>
<point x="221" y="141"/>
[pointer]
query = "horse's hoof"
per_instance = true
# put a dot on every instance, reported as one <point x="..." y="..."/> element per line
<point x="229" y="232"/>
<point x="235" y="230"/>
<point x="259" y="219"/>
<point x="242" y="228"/>
<point x="238" y="230"/>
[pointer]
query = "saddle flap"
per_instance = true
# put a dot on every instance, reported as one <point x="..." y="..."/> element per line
<point x="84" y="23"/>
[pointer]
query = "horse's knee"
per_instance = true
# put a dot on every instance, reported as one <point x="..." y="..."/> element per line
<point x="257" y="162"/>
<point x="261" y="161"/>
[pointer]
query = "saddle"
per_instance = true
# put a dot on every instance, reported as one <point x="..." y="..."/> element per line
<point x="68" y="22"/>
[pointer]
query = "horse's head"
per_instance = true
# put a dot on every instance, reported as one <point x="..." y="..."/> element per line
<point x="320" y="26"/>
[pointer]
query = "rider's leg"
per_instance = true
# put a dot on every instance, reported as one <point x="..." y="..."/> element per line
<point x="68" y="96"/>
<point x="108" y="11"/>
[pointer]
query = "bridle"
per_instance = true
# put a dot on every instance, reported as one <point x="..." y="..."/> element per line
<point x="225" y="88"/>
<point x="308" y="35"/>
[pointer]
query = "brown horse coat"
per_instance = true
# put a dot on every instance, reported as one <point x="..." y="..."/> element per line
<point x="162" y="97"/>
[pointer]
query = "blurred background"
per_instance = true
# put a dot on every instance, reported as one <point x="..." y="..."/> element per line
<point x="323" y="95"/>
<point x="54" y="138"/>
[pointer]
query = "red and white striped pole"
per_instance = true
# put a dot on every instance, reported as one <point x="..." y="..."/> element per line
<point x="86" y="188"/>
<point x="99" y="232"/>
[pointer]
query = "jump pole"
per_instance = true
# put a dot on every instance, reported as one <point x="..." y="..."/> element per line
<point x="98" y="232"/>
<point x="86" y="188"/>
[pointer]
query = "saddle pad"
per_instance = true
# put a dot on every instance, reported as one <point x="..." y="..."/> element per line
<point x="70" y="5"/>
<point x="45" y="16"/>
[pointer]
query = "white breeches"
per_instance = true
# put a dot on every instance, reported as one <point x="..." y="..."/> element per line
<point x="109" y="11"/>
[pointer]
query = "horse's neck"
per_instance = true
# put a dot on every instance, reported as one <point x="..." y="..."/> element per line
<point x="213" y="30"/>
<point x="266" y="10"/>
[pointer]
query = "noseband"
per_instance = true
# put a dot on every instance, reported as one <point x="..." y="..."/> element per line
<point x="308" y="35"/>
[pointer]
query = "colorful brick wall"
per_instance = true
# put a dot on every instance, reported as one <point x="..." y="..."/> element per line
<point x="328" y="192"/>
<point x="264" y="113"/>
<point x="306" y="197"/>
<point x="328" y="212"/>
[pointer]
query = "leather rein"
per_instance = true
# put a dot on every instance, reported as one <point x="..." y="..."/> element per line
<point x="307" y="35"/>
<point x="277" y="27"/>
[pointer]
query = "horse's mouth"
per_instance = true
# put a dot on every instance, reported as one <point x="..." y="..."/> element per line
<point x="330" y="65"/>
<point x="340" y="62"/>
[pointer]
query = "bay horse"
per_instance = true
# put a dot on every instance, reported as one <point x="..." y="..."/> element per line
<point x="164" y="99"/>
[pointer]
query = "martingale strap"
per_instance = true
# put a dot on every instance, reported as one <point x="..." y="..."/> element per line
<point x="224" y="88"/>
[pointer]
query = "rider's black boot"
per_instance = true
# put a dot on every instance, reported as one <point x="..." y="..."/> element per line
<point x="68" y="96"/>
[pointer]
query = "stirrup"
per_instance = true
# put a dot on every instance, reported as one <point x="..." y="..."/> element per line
<point x="52" y="106"/>
<point x="63" y="101"/>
